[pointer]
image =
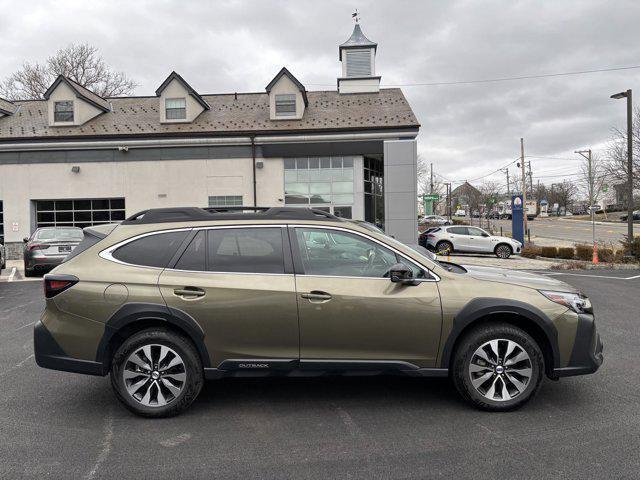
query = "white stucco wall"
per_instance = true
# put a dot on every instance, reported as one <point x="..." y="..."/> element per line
<point x="143" y="184"/>
<point x="176" y="90"/>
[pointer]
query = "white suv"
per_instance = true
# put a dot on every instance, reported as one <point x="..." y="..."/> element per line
<point x="462" y="238"/>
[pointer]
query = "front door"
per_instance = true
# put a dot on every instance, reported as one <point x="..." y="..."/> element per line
<point x="238" y="284"/>
<point x="478" y="240"/>
<point x="351" y="313"/>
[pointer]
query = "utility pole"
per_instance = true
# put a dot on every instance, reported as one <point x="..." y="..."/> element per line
<point x="590" y="187"/>
<point x="431" y="183"/>
<point x="531" y="180"/>
<point x="448" y="189"/>
<point x="524" y="187"/>
<point x="506" y="170"/>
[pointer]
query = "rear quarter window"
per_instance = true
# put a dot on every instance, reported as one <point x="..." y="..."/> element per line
<point x="154" y="250"/>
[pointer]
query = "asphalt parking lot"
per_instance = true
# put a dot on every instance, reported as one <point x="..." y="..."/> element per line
<point x="61" y="425"/>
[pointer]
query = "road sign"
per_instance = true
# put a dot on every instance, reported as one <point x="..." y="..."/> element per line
<point x="434" y="197"/>
<point x="605" y="187"/>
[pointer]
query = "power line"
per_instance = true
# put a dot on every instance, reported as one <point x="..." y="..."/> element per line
<point x="500" y="79"/>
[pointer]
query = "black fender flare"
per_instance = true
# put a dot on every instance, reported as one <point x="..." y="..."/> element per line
<point x="479" y="308"/>
<point x="135" y="312"/>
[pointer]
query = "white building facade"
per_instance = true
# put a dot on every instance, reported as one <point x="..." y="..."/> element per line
<point x="76" y="159"/>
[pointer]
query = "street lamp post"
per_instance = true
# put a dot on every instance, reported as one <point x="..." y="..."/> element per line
<point x="619" y="96"/>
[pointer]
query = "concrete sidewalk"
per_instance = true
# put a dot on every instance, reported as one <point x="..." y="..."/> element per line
<point x="515" y="262"/>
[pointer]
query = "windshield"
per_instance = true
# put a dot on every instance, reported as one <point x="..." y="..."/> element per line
<point x="71" y="233"/>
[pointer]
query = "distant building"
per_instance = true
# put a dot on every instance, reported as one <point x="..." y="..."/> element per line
<point x="76" y="159"/>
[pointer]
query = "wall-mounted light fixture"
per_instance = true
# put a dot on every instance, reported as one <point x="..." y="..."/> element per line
<point x="259" y="164"/>
<point x="75" y="169"/>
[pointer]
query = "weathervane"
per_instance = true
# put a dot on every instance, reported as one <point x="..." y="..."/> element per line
<point x="356" y="16"/>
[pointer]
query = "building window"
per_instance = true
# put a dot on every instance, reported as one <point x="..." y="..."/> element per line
<point x="317" y="181"/>
<point x="79" y="212"/>
<point x="225" y="201"/>
<point x="63" y="111"/>
<point x="176" y="108"/>
<point x="358" y="63"/>
<point x="285" y="105"/>
<point x="374" y="190"/>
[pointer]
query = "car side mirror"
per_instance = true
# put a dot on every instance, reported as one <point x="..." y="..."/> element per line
<point x="485" y="234"/>
<point x="25" y="239"/>
<point x="400" y="273"/>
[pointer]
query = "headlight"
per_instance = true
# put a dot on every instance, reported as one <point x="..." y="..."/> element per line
<point x="577" y="302"/>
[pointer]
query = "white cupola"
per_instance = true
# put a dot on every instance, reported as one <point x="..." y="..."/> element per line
<point x="358" y="57"/>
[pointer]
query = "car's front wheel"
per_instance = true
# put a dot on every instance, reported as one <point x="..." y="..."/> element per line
<point x="503" y="251"/>
<point x="498" y="367"/>
<point x="156" y="373"/>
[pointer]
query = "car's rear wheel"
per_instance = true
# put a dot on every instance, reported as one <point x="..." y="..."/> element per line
<point x="156" y="373"/>
<point x="444" y="248"/>
<point x="503" y="251"/>
<point x="498" y="367"/>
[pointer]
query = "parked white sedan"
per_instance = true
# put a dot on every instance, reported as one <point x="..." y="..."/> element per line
<point x="461" y="238"/>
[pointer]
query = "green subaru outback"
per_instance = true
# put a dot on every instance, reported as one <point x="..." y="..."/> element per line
<point x="171" y="297"/>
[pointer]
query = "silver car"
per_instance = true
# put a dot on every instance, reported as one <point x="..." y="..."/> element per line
<point x="463" y="238"/>
<point x="47" y="247"/>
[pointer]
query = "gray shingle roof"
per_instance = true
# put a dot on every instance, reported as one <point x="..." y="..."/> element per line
<point x="7" y="107"/>
<point x="248" y="113"/>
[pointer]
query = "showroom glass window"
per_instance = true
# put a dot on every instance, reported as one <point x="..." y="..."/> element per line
<point x="320" y="181"/>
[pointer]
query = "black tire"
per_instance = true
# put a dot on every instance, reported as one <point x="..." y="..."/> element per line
<point x="503" y="251"/>
<point x="444" y="247"/>
<point x="192" y="367"/>
<point x="462" y="376"/>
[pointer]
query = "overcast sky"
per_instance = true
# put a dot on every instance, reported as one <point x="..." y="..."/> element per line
<point x="467" y="130"/>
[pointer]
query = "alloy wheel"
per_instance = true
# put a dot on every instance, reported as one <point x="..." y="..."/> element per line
<point x="444" y="248"/>
<point x="154" y="375"/>
<point x="500" y="370"/>
<point x="503" y="251"/>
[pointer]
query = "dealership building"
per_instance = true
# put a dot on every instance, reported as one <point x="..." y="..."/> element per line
<point x="74" y="158"/>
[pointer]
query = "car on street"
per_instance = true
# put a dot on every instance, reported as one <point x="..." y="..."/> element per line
<point x="47" y="247"/>
<point x="171" y="297"/>
<point x="463" y="238"/>
<point x="625" y="217"/>
<point x="434" y="220"/>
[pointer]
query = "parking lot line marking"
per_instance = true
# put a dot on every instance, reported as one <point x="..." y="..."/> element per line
<point x="594" y="276"/>
<point x="14" y="270"/>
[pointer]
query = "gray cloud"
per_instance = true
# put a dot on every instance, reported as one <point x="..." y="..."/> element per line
<point x="467" y="130"/>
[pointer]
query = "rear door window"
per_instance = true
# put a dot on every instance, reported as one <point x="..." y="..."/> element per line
<point x="458" y="230"/>
<point x="152" y="250"/>
<point x="245" y="250"/>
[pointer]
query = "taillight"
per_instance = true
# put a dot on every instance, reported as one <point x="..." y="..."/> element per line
<point x="55" y="284"/>
<point x="38" y="246"/>
<point x="431" y="235"/>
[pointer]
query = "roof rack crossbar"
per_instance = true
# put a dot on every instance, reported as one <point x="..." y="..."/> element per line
<point x="195" y="214"/>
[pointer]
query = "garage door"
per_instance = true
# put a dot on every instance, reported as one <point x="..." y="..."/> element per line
<point x="78" y="212"/>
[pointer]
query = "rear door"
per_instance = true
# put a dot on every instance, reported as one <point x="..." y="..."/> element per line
<point x="237" y="283"/>
<point x="351" y="314"/>
<point x="458" y="236"/>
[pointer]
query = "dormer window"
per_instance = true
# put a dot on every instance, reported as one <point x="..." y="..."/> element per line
<point x="176" y="108"/>
<point x="286" y="105"/>
<point x="63" y="111"/>
<point x="358" y="63"/>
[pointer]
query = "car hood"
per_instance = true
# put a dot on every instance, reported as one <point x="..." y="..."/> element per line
<point x="503" y="239"/>
<point x="518" y="277"/>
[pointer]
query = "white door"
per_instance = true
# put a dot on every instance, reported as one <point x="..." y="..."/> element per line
<point x="478" y="240"/>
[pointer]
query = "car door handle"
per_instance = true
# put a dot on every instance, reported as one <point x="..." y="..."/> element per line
<point x="189" y="292"/>
<point x="316" y="296"/>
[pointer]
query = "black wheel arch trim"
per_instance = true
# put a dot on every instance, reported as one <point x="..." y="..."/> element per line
<point x="132" y="313"/>
<point x="480" y="308"/>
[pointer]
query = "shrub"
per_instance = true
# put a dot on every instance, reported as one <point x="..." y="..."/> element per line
<point x="584" y="252"/>
<point x="530" y="251"/>
<point x="632" y="247"/>
<point x="566" y="253"/>
<point x="606" y="255"/>
<point x="549" y="252"/>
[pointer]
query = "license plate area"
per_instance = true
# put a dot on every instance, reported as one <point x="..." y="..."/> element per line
<point x="64" y="249"/>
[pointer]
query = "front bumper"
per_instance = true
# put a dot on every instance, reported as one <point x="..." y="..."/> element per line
<point x="587" y="354"/>
<point x="50" y="355"/>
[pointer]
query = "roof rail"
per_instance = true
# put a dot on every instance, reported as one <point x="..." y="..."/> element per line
<point x="195" y="214"/>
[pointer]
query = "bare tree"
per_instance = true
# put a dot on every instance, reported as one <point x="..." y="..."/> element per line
<point x="592" y="178"/>
<point x="425" y="184"/>
<point x="616" y="161"/>
<point x="565" y="194"/>
<point x="81" y="63"/>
